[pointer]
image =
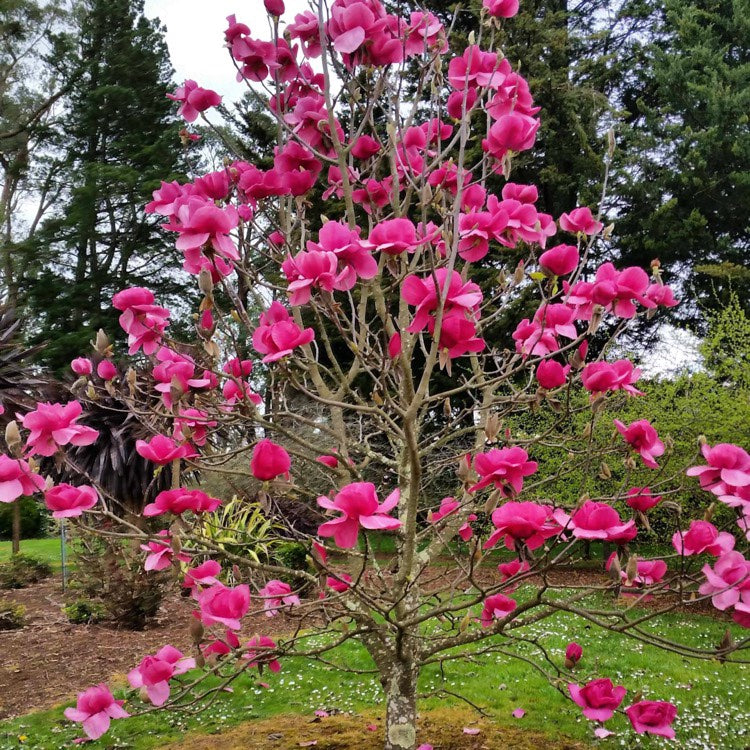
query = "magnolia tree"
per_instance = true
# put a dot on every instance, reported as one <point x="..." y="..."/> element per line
<point x="362" y="247"/>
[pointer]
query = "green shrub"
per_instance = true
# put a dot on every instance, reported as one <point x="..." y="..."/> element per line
<point x="33" y="518"/>
<point x="85" y="612"/>
<point x="110" y="571"/>
<point x="12" y="615"/>
<point x="22" y="570"/>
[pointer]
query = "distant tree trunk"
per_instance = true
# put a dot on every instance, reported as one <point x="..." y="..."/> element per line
<point x="16" y="527"/>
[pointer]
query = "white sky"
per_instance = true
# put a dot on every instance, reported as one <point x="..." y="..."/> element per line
<point x="195" y="36"/>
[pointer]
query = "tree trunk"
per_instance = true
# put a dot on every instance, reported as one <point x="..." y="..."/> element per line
<point x="16" y="527"/>
<point x="401" y="707"/>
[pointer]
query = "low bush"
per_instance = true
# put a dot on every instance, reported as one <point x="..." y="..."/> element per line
<point x="12" y="615"/>
<point x="22" y="570"/>
<point x="85" y="612"/>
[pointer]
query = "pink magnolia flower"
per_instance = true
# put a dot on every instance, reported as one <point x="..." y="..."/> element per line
<point x="702" y="537"/>
<point x="560" y="260"/>
<point x="278" y="335"/>
<point x="200" y="221"/>
<point x="511" y="569"/>
<point x="511" y="133"/>
<point x="648" y="572"/>
<point x="81" y="366"/>
<point x="598" y="698"/>
<point x="466" y="532"/>
<point x="54" y="425"/>
<point x="358" y="505"/>
<point x="222" y="605"/>
<point x="204" y="574"/>
<point x="276" y="594"/>
<point x="179" y="501"/>
<point x="141" y="319"/>
<point x="653" y="717"/>
<point x="729" y="577"/>
<point x="364" y="147"/>
<point x="106" y="370"/>
<point x="551" y="374"/>
<point x="597" y="521"/>
<point x="425" y="33"/>
<point x="313" y="270"/>
<point x="175" y="375"/>
<point x="305" y="28"/>
<point x="274" y="7"/>
<point x="94" y="709"/>
<point x="580" y="220"/>
<point x="448" y="506"/>
<point x="66" y="501"/>
<point x="353" y="254"/>
<point x="599" y="377"/>
<point x="642" y="437"/>
<point x="340" y="583"/>
<point x="501" y="8"/>
<point x="192" y="424"/>
<point x="424" y="294"/>
<point x="16" y="479"/>
<point x="661" y="295"/>
<point x="260" y="649"/>
<point x="161" y="553"/>
<point x="728" y="469"/>
<point x="496" y="607"/>
<point x="573" y="654"/>
<point x="395" y="345"/>
<point x="614" y="290"/>
<point x="457" y="334"/>
<point x="475" y="68"/>
<point x="193" y="100"/>
<point x="530" y="523"/>
<point x="394" y="236"/>
<point x="162" y="450"/>
<point x="640" y="498"/>
<point x="505" y="468"/>
<point x="533" y="339"/>
<point x="155" y="672"/>
<point x="269" y="461"/>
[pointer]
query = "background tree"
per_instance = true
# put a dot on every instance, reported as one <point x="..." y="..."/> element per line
<point x="121" y="140"/>
<point x="683" y="172"/>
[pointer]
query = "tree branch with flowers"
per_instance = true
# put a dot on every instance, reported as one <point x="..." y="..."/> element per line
<point x="362" y="246"/>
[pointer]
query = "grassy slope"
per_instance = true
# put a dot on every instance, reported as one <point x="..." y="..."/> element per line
<point x="713" y="699"/>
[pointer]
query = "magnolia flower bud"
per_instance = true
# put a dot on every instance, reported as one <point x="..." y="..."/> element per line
<point x="101" y="345"/>
<point x="519" y="273"/>
<point x="196" y="631"/>
<point x="492" y="427"/>
<point x="205" y="282"/>
<point x="615" y="571"/>
<point x="611" y="142"/>
<point x="604" y="471"/>
<point x="631" y="569"/>
<point x="709" y="514"/>
<point x="13" y="437"/>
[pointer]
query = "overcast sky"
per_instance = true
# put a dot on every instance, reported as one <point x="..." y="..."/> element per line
<point x="195" y="35"/>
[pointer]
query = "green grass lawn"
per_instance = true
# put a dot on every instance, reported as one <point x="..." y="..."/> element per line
<point x="713" y="699"/>
<point x="43" y="549"/>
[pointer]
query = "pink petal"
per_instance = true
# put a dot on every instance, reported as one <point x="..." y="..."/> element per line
<point x="519" y="713"/>
<point x="467" y="730"/>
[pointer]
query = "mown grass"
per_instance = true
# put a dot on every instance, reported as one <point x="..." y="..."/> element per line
<point x="713" y="699"/>
<point x="47" y="550"/>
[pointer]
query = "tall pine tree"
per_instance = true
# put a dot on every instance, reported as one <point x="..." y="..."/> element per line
<point x="122" y="140"/>
<point x="682" y="185"/>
